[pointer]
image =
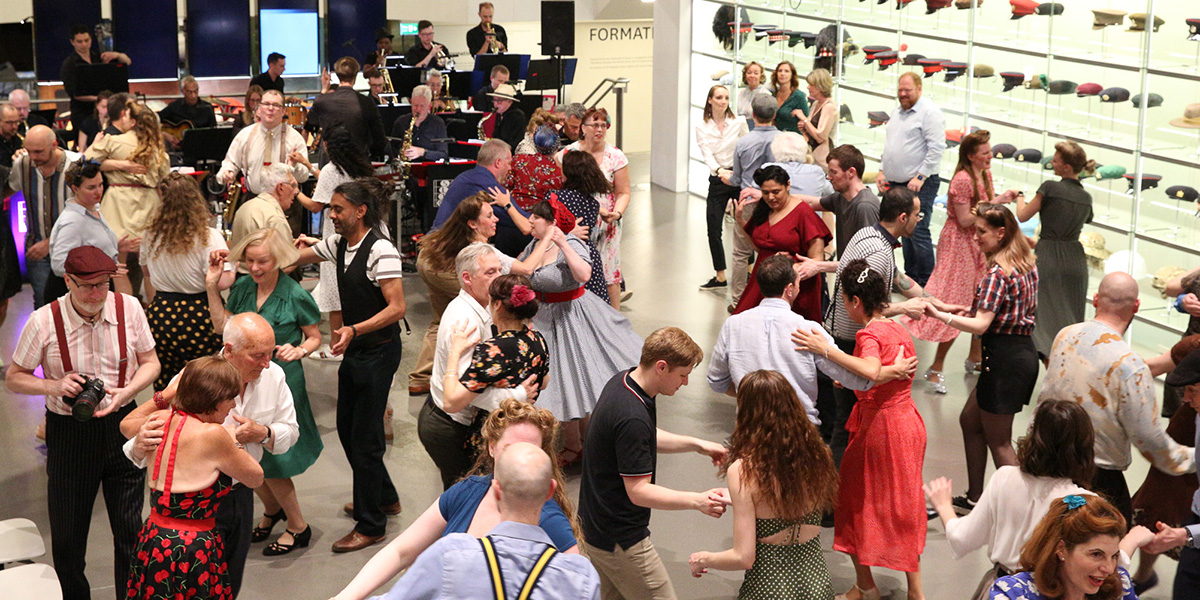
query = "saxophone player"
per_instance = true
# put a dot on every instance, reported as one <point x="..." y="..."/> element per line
<point x="486" y="37"/>
<point x="425" y="128"/>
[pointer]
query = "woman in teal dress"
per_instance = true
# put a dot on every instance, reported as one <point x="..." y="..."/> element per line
<point x="793" y="103"/>
<point x="293" y="314"/>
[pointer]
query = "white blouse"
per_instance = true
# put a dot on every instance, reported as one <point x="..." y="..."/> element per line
<point x="717" y="146"/>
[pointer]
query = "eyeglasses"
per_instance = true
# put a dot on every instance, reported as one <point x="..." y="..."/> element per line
<point x="270" y="104"/>
<point x="90" y="287"/>
<point x="600" y="125"/>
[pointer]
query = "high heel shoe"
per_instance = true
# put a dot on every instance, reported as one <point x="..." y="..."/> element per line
<point x="299" y="540"/>
<point x="938" y="381"/>
<point x="971" y="366"/>
<point x="259" y="534"/>
<point x="872" y="594"/>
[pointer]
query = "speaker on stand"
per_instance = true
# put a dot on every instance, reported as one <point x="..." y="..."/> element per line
<point x="558" y="35"/>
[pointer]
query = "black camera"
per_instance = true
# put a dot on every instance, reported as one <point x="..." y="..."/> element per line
<point x="83" y="405"/>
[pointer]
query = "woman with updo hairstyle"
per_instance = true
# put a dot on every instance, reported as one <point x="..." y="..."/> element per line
<point x="1073" y="554"/>
<point x="582" y="189"/>
<point x="753" y="78"/>
<point x="516" y="353"/>
<point x="83" y="224"/>
<point x="1064" y="207"/>
<point x="535" y="172"/>
<point x="880" y="519"/>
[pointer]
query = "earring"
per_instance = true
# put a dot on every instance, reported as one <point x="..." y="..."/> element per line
<point x="1061" y="558"/>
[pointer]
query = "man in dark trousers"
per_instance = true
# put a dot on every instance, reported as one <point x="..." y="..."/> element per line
<point x="350" y="109"/>
<point x="368" y="275"/>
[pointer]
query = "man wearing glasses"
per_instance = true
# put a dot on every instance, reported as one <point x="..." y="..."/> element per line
<point x="89" y="333"/>
<point x="426" y="53"/>
<point x="265" y="143"/>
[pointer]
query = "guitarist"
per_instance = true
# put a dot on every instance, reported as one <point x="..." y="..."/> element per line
<point x="188" y="112"/>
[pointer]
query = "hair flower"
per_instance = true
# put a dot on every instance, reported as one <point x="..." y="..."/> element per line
<point x="521" y="295"/>
<point x="1074" y="501"/>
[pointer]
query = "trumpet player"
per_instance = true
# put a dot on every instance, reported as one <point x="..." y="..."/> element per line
<point x="486" y="37"/>
<point x="429" y="127"/>
<point x="426" y="53"/>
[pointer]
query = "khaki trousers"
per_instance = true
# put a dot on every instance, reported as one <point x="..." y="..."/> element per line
<point x="443" y="287"/>
<point x="636" y="573"/>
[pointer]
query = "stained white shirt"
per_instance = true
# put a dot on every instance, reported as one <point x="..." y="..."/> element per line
<point x="245" y="154"/>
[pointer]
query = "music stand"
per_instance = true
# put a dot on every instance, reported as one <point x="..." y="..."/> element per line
<point x="460" y="83"/>
<point x="390" y="114"/>
<point x="404" y="79"/>
<point x="95" y="78"/>
<point x="518" y="68"/>
<point x="206" y="144"/>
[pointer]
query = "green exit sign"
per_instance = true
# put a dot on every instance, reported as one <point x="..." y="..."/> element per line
<point x="408" y="29"/>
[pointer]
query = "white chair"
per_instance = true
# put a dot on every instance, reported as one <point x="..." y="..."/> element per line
<point x="30" y="582"/>
<point x="19" y="540"/>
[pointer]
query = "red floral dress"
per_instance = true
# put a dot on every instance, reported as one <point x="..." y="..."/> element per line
<point x="179" y="555"/>
<point x="531" y="176"/>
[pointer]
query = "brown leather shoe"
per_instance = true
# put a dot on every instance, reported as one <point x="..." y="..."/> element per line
<point x="356" y="541"/>
<point x="418" y="390"/>
<point x="388" y="509"/>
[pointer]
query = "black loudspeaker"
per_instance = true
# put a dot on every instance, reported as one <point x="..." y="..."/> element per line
<point x="558" y="28"/>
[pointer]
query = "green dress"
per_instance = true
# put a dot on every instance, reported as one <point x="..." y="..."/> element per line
<point x="287" y="309"/>
<point x="795" y="571"/>
<point x="784" y="121"/>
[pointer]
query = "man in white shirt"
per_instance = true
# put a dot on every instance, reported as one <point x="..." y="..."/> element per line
<point x="267" y="142"/>
<point x="446" y="431"/>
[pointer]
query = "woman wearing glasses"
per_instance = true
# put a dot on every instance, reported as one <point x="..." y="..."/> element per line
<point x="81" y="224"/>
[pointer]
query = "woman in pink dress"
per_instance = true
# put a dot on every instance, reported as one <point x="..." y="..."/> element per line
<point x="960" y="262"/>
<point x="880" y="519"/>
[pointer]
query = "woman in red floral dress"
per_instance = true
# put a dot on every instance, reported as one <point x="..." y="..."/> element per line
<point x="532" y="175"/>
<point x="179" y="555"/>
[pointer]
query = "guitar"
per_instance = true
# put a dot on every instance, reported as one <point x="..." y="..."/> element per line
<point x="176" y="129"/>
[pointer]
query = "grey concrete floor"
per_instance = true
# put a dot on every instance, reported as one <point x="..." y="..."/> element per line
<point x="665" y="259"/>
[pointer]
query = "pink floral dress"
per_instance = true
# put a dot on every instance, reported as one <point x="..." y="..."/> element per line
<point x="606" y="237"/>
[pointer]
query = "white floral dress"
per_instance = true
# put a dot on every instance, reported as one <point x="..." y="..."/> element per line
<point x="606" y="237"/>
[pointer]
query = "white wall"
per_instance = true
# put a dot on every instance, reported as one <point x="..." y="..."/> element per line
<point x="12" y="11"/>
<point x="669" y="110"/>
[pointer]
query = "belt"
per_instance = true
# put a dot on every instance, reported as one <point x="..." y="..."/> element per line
<point x="180" y="295"/>
<point x="182" y="524"/>
<point x="554" y="297"/>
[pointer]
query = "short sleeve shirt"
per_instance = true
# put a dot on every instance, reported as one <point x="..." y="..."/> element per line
<point x="622" y="441"/>
<point x="1012" y="297"/>
<point x="459" y="503"/>
<point x="852" y="215"/>
<point x="383" y="263"/>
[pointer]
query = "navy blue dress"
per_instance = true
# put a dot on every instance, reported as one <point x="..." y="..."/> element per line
<point x="587" y="208"/>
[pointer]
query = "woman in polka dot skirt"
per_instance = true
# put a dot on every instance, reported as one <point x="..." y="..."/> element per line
<point x="781" y="479"/>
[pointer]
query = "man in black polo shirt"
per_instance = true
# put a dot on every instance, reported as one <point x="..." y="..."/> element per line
<point x="620" y="457"/>
<point x="272" y="78"/>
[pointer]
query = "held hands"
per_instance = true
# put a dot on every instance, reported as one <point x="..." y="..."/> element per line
<point x="913" y="308"/>
<point x="711" y="503"/>
<point x="298" y="158"/>
<point x="1006" y="197"/>
<point x="305" y="241"/>
<point x="216" y="267"/>
<point x="1167" y="538"/>
<point x="698" y="562"/>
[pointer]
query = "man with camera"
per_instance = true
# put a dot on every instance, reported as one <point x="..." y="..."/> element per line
<point x="96" y="354"/>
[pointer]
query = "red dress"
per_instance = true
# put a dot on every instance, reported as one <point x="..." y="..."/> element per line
<point x="530" y="177"/>
<point x="792" y="235"/>
<point x="880" y="514"/>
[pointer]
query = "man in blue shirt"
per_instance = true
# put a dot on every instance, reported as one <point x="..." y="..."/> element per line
<point x="516" y="552"/>
<point x="492" y="165"/>
<point x="752" y="151"/>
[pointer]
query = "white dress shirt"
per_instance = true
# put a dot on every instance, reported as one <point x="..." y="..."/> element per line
<point x="245" y="154"/>
<point x="464" y="309"/>
<point x="716" y="146"/>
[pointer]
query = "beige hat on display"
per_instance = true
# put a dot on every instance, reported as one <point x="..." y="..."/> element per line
<point x="1137" y="22"/>
<point x="1094" y="247"/>
<point x="1164" y="275"/>
<point x="1190" y="119"/>
<point x="1107" y="16"/>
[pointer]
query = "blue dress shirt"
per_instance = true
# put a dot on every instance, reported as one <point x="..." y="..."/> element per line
<point x="916" y="139"/>
<point x="509" y="239"/>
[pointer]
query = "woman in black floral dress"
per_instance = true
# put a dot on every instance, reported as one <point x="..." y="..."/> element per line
<point x="584" y="181"/>
<point x="517" y="352"/>
<point x="179" y="555"/>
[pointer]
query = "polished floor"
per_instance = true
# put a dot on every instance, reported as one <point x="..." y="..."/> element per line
<point x="665" y="258"/>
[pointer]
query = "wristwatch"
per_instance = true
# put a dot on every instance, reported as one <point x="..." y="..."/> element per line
<point x="1191" y="540"/>
<point x="920" y="177"/>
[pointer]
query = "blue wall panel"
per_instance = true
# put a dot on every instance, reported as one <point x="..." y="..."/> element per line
<point x="219" y="38"/>
<point x="148" y="37"/>
<point x="52" y="21"/>
<point x="354" y="20"/>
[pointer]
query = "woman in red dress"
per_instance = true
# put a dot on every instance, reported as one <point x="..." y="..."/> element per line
<point x="783" y="223"/>
<point x="880" y="519"/>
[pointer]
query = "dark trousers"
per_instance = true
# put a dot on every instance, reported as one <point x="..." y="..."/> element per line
<point x="1111" y="484"/>
<point x="449" y="443"/>
<point x="845" y="400"/>
<point x="1187" y="574"/>
<point x="918" y="247"/>
<point x="364" y="380"/>
<point x="82" y="458"/>
<point x="719" y="196"/>
<point x="235" y="519"/>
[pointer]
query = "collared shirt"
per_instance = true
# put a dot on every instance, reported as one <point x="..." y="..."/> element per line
<point x="77" y="227"/>
<point x="745" y="96"/>
<point x="760" y="338"/>
<point x="752" y="151"/>
<point x="716" y="145"/>
<point x="93" y="346"/>
<point x="455" y="567"/>
<point x="1091" y="364"/>
<point x="38" y="189"/>
<point x="1012" y="296"/>
<point x="256" y="213"/>
<point x="465" y="309"/>
<point x="245" y="154"/>
<point x="874" y="245"/>
<point x="431" y="128"/>
<point x="916" y="139"/>
<point x="805" y="179"/>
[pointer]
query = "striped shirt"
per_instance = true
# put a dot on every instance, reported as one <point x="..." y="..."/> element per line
<point x="383" y="262"/>
<point x="1013" y="297"/>
<point x="40" y="190"/>
<point x="874" y="245"/>
<point x="94" y="349"/>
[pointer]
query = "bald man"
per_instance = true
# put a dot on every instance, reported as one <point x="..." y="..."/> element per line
<point x="1092" y="364"/>
<point x="10" y="140"/>
<point x="459" y="565"/>
<point x="20" y="100"/>
<point x="38" y="174"/>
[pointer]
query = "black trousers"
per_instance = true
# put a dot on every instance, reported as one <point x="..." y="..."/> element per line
<point x="1187" y="574"/>
<point x="235" y="519"/>
<point x="1111" y="484"/>
<point x="364" y="380"/>
<point x="719" y="196"/>
<point x="82" y="458"/>
<point x="846" y="400"/>
<point x="449" y="443"/>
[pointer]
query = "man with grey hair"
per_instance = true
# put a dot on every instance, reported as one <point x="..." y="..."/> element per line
<point x="19" y="98"/>
<point x="266" y="209"/>
<point x="189" y="110"/>
<point x="427" y="142"/>
<point x="573" y="122"/>
<point x="491" y="168"/>
<point x="446" y="428"/>
<point x="1092" y="364"/>
<point x="268" y="142"/>
<point x="263" y="418"/>
<point x="753" y="150"/>
<point x="517" y="552"/>
<point x="10" y="140"/>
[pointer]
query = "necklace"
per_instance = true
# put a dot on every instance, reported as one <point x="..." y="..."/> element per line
<point x="873" y="319"/>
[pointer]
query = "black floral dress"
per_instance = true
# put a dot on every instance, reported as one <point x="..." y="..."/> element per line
<point x="179" y="554"/>
<point x="508" y="359"/>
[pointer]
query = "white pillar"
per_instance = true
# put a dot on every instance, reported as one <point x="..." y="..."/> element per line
<point x="669" y="111"/>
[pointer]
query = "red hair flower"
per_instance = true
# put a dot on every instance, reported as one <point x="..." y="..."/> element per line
<point x="521" y="294"/>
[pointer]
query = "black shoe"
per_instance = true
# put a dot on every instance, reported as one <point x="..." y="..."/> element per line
<point x="259" y="534"/>
<point x="299" y="540"/>
<point x="714" y="284"/>
<point x="963" y="505"/>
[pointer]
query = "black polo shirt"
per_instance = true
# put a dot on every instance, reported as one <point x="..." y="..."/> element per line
<point x="264" y="81"/>
<point x="622" y="441"/>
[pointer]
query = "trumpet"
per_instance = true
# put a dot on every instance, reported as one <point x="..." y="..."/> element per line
<point x="387" y="82"/>
<point x="494" y="45"/>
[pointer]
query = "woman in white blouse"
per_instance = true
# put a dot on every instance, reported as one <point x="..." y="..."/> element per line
<point x="1055" y="458"/>
<point x="754" y="78"/>
<point x="717" y="136"/>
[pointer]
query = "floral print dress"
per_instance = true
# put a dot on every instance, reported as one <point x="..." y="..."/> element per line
<point x="508" y="359"/>
<point x="607" y="236"/>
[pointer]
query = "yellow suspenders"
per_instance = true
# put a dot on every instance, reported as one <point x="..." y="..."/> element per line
<point x="489" y="551"/>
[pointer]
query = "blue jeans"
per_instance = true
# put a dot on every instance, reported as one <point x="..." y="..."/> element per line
<point x="39" y="274"/>
<point x="918" y="248"/>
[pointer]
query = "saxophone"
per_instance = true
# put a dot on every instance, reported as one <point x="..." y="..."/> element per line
<point x="231" y="201"/>
<point x="405" y="164"/>
<point x="479" y="128"/>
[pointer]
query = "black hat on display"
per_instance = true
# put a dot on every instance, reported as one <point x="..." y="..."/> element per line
<point x="1137" y="22"/>
<point x="809" y="39"/>
<point x="877" y="118"/>
<point x="912" y="60"/>
<point x="1103" y="17"/>
<point x="844" y="114"/>
<point x="953" y="70"/>
<point x="1148" y="181"/>
<point x="870" y="51"/>
<point x="1061" y="86"/>
<point x="1012" y="79"/>
<point x="1193" y="29"/>
<point x="1049" y="8"/>
<point x="887" y="59"/>
<point x="1114" y="94"/>
<point x="1152" y="101"/>
<point x="982" y="70"/>
<point x="1183" y="193"/>
<point x="1004" y="150"/>
<point x="1088" y="89"/>
<point x="764" y="27"/>
<point x="1028" y="155"/>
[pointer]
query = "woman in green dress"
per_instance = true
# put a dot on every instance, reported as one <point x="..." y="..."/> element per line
<point x="293" y="314"/>
<point x="793" y="103"/>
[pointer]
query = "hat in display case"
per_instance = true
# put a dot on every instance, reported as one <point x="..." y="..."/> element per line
<point x="1193" y="29"/>
<point x="1012" y="79"/>
<point x="913" y="60"/>
<point x="877" y="118"/>
<point x="931" y="65"/>
<point x="1050" y="8"/>
<point x="741" y="26"/>
<point x="1104" y="17"/>
<point x="1028" y="155"/>
<point x="1183" y="193"/>
<point x="1094" y="245"/>
<point x="1114" y="94"/>
<point x="1110" y="172"/>
<point x="982" y="70"/>
<point x="965" y="4"/>
<point x="953" y="70"/>
<point x="1023" y="8"/>
<point x="1164" y="275"/>
<point x="887" y="59"/>
<point x="1148" y="181"/>
<point x="1004" y="150"/>
<point x="844" y="114"/>
<point x="1046" y="163"/>
<point x="1152" y="100"/>
<point x="1038" y="82"/>
<point x="763" y="27"/>
<point x="1060" y="86"/>
<point x="1120" y="260"/>
<point x="1088" y="89"/>
<point x="870" y="51"/>
<point x="932" y="6"/>
<point x="1137" y="22"/>
<point x="809" y="39"/>
<point x="777" y="35"/>
<point x="1190" y="118"/>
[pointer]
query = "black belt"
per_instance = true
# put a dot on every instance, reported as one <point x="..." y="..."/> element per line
<point x="181" y="295"/>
